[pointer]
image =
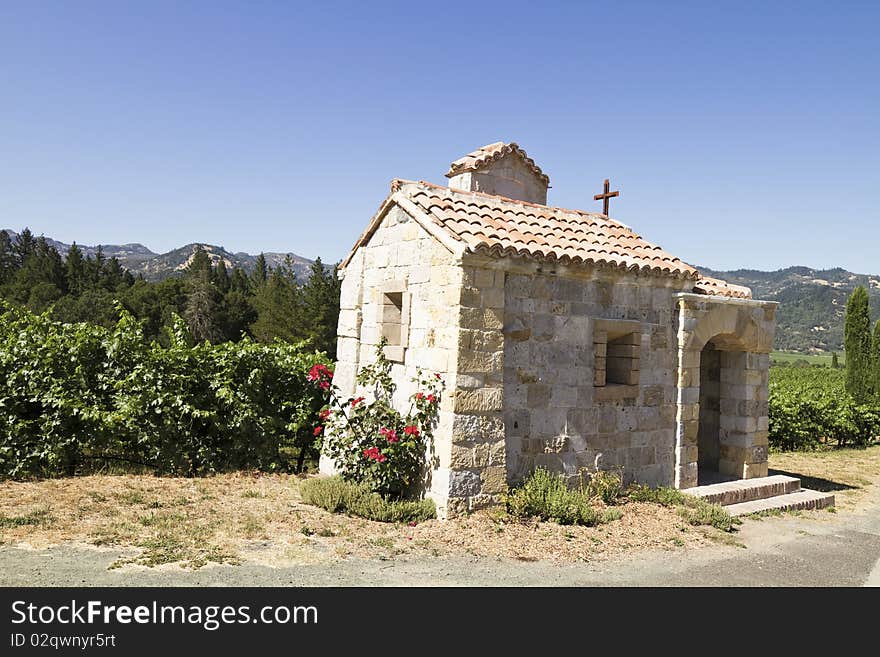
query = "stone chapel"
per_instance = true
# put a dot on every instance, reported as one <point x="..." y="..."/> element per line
<point x="564" y="338"/>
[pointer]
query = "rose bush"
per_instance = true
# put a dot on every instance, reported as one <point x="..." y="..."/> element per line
<point x="370" y="441"/>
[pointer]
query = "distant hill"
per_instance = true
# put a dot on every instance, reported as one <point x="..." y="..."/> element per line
<point x="157" y="266"/>
<point x="812" y="302"/>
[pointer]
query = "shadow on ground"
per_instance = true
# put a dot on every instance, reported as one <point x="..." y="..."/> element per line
<point x="815" y="483"/>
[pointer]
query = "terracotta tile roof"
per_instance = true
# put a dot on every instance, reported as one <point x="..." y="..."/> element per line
<point x="483" y="223"/>
<point x="503" y="226"/>
<point x="485" y="155"/>
<point x="717" y="287"/>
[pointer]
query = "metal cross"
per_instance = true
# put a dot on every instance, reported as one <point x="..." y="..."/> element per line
<point x="605" y="196"/>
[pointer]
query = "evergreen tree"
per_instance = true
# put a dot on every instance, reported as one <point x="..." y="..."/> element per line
<point x="25" y="245"/>
<point x="200" y="264"/>
<point x="261" y="272"/>
<point x="76" y="270"/>
<point x="277" y="306"/>
<point x="835" y="363"/>
<point x="857" y="344"/>
<point x="202" y="312"/>
<point x="220" y="277"/>
<point x="875" y="359"/>
<point x="8" y="263"/>
<point x="112" y="274"/>
<point x="238" y="282"/>
<point x="320" y="307"/>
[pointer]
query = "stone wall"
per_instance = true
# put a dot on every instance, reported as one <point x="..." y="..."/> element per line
<point x="402" y="256"/>
<point x="555" y="415"/>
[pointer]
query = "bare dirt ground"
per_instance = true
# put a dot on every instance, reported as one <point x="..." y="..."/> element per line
<point x="241" y="518"/>
<point x="249" y="529"/>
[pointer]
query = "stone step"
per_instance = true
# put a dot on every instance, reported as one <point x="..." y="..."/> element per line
<point x="803" y="499"/>
<point x="746" y="490"/>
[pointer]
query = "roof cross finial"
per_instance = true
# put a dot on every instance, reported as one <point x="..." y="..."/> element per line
<point x="605" y="196"/>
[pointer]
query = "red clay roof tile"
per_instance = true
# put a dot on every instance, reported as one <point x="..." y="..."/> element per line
<point x="485" y="155"/>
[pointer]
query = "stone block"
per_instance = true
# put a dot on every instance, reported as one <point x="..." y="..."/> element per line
<point x="482" y="318"/>
<point x="563" y="396"/>
<point x="484" y="278"/>
<point x="493" y="480"/>
<point x="753" y="470"/>
<point x="653" y="396"/>
<point x="463" y="483"/>
<point x="539" y="395"/>
<point x="481" y="400"/>
<point x="492" y="297"/>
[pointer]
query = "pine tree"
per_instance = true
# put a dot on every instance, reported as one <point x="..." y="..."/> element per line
<point x="7" y="257"/>
<point x="24" y="245"/>
<point x="200" y="264"/>
<point x="202" y="312"/>
<point x="220" y="277"/>
<point x="261" y="272"/>
<point x="76" y="272"/>
<point x="857" y="345"/>
<point x="320" y="308"/>
<point x="278" y="309"/>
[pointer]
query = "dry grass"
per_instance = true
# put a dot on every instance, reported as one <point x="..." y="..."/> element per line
<point x="848" y="473"/>
<point x="261" y="519"/>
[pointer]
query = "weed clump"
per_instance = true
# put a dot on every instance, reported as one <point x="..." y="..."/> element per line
<point x="336" y="495"/>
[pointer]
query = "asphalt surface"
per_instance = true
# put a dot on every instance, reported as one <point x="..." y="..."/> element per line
<point x="814" y="549"/>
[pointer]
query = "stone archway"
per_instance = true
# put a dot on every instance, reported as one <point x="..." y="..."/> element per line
<point x="723" y="415"/>
<point x="723" y="367"/>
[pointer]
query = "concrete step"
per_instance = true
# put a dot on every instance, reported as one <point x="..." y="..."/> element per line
<point x="746" y="490"/>
<point x="802" y="499"/>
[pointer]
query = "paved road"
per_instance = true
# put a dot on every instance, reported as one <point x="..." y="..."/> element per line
<point x="816" y="549"/>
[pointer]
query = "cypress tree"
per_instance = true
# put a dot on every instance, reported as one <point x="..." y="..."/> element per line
<point x="875" y="359"/>
<point x="857" y="344"/>
<point x="835" y="363"/>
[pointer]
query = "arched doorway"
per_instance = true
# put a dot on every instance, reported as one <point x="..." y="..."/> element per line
<point x="722" y="413"/>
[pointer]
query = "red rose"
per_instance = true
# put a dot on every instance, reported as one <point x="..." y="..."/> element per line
<point x="318" y="430"/>
<point x="438" y="376"/>
<point x="389" y="434"/>
<point x="432" y="398"/>
<point x="321" y="374"/>
<point x="411" y="430"/>
<point x="324" y="414"/>
<point x="355" y="402"/>
<point x="419" y="395"/>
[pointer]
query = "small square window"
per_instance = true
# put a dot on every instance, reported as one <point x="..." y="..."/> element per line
<point x="393" y="318"/>
<point x="616" y="345"/>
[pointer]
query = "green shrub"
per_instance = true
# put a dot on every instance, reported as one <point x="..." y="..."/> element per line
<point x="75" y="397"/>
<point x="339" y="496"/>
<point x="546" y="496"/>
<point x="606" y="485"/>
<point x="693" y="510"/>
<point x="810" y="406"/>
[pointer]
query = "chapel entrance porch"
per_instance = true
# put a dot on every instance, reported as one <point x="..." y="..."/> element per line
<point x="723" y="366"/>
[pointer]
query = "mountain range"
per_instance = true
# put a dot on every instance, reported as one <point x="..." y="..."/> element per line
<point x="812" y="302"/>
<point x="138" y="259"/>
<point x="809" y="319"/>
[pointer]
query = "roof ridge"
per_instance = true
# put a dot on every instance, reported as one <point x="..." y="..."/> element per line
<point x="514" y="201"/>
<point x="485" y="155"/>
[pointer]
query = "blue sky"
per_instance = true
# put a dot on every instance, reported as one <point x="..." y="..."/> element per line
<point x="741" y="134"/>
